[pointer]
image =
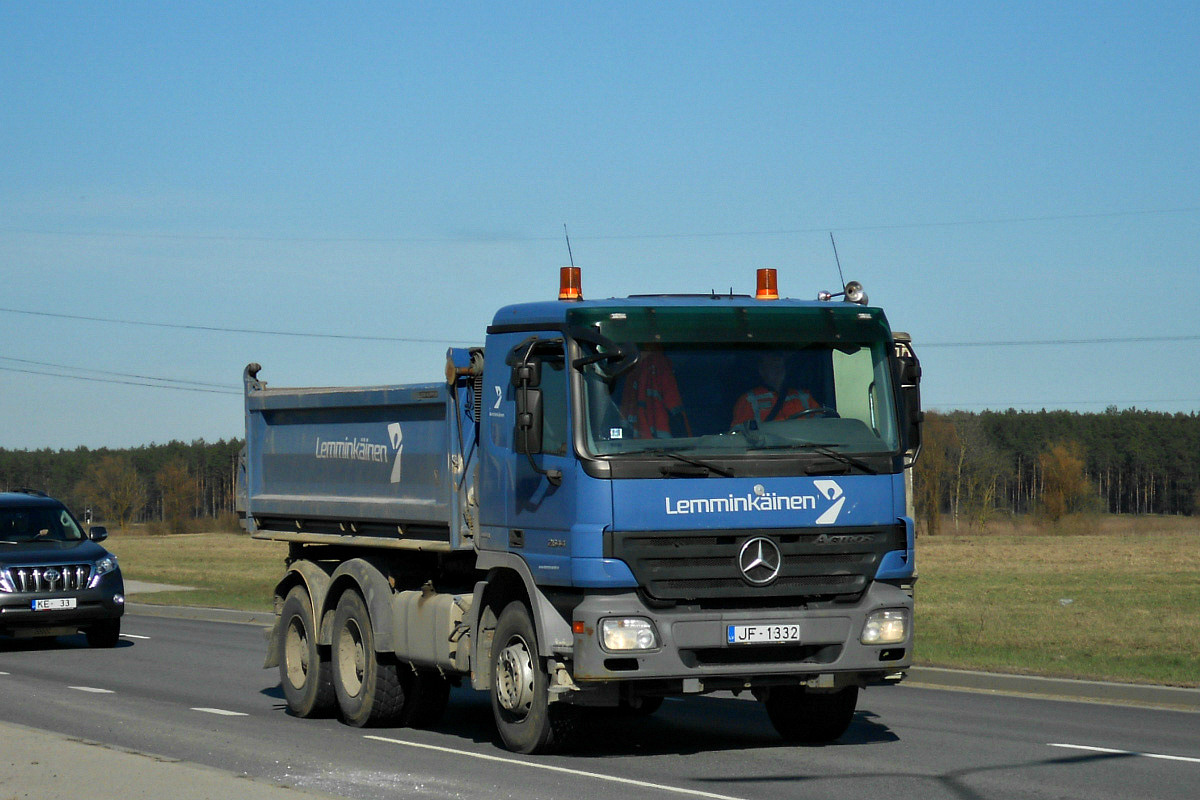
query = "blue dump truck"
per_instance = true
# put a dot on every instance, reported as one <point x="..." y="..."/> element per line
<point x="611" y="502"/>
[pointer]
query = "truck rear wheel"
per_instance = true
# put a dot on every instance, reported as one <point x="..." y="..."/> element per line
<point x="811" y="717"/>
<point x="304" y="669"/>
<point x="367" y="683"/>
<point x="526" y="720"/>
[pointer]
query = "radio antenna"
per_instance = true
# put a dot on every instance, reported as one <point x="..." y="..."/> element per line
<point x="837" y="260"/>
<point x="569" y="254"/>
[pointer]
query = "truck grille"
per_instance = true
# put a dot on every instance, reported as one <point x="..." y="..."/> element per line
<point x="53" y="578"/>
<point x="700" y="566"/>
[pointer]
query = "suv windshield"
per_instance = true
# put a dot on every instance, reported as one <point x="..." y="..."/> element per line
<point x="37" y="524"/>
<point x="734" y="381"/>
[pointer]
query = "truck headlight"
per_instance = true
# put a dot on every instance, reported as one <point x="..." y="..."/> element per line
<point x="627" y="633"/>
<point x="6" y="584"/>
<point x="885" y="627"/>
<point x="103" y="567"/>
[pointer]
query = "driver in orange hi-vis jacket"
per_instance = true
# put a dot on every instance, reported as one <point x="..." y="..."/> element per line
<point x="770" y="400"/>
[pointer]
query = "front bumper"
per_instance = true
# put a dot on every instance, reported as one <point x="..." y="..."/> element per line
<point x="693" y="644"/>
<point x="106" y="601"/>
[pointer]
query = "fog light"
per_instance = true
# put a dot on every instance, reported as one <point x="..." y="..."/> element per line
<point x="119" y="599"/>
<point x="629" y="633"/>
<point x="885" y="627"/>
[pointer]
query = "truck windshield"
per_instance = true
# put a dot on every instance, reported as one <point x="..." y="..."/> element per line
<point x="738" y="381"/>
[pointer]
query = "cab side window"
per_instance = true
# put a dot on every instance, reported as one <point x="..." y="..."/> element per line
<point x="555" y="431"/>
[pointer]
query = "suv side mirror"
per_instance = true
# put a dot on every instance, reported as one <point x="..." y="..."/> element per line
<point x="97" y="533"/>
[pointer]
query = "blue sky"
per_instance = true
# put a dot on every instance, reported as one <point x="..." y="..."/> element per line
<point x="994" y="174"/>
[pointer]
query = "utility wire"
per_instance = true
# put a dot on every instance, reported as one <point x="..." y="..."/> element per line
<point x="1040" y="342"/>
<point x="117" y="374"/>
<point x="115" y="380"/>
<point x="217" y="329"/>
<point x="606" y="237"/>
<point x="411" y="340"/>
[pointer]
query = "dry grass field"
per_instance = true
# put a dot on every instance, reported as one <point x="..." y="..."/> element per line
<point x="1112" y="598"/>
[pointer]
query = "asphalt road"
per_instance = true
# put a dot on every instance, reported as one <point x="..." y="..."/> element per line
<point x="193" y="691"/>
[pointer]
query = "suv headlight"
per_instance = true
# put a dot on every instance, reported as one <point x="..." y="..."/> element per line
<point x="627" y="633"/>
<point x="6" y="584"/>
<point x="885" y="627"/>
<point x="103" y="567"/>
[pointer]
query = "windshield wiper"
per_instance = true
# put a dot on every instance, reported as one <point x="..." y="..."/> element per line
<point x="825" y="449"/>
<point x="695" y="462"/>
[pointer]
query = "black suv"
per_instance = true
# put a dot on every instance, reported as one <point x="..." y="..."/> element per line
<point x="55" y="580"/>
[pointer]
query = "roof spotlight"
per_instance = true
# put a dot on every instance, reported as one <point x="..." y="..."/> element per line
<point x="852" y="293"/>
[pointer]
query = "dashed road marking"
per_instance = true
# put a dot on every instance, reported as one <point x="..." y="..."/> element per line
<point x="515" y="760"/>
<point x="221" y="712"/>
<point x="91" y="689"/>
<point x="1125" y="752"/>
<point x="133" y="636"/>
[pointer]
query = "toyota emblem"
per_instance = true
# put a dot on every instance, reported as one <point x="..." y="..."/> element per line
<point x="759" y="560"/>
<point x="51" y="574"/>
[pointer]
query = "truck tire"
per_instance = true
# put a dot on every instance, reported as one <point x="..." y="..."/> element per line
<point x="526" y="720"/>
<point x="426" y="694"/>
<point x="367" y="684"/>
<point x="104" y="634"/>
<point x="304" y="669"/>
<point x="810" y="717"/>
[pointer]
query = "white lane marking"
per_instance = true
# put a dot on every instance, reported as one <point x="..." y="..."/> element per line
<point x="91" y="689"/>
<point x="220" y="712"/>
<point x="133" y="636"/>
<point x="3" y="673"/>
<point x="513" y="759"/>
<point x="1125" y="752"/>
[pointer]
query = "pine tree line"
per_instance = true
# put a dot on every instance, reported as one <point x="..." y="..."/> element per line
<point x="171" y="483"/>
<point x="976" y="465"/>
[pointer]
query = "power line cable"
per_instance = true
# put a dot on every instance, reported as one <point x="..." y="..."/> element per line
<point x="117" y="381"/>
<point x="1190" y="337"/>
<point x="413" y="340"/>
<point x="117" y="374"/>
<point x="217" y="329"/>
<point x="607" y="237"/>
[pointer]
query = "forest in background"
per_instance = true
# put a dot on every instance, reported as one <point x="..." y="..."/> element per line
<point x="974" y="467"/>
<point x="176" y="487"/>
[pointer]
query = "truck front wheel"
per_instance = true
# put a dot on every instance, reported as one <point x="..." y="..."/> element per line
<point x="304" y="669"/>
<point x="367" y="683"/>
<point x="526" y="720"/>
<point x="811" y="717"/>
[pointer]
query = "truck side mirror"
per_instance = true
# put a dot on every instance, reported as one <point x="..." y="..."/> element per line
<point x="908" y="375"/>
<point x="527" y="436"/>
<point x="528" y="373"/>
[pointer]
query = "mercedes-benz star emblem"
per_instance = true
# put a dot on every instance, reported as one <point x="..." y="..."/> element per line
<point x="759" y="560"/>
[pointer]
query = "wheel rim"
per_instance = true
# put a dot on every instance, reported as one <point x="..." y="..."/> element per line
<point x="514" y="677"/>
<point x="295" y="653"/>
<point x="351" y="658"/>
